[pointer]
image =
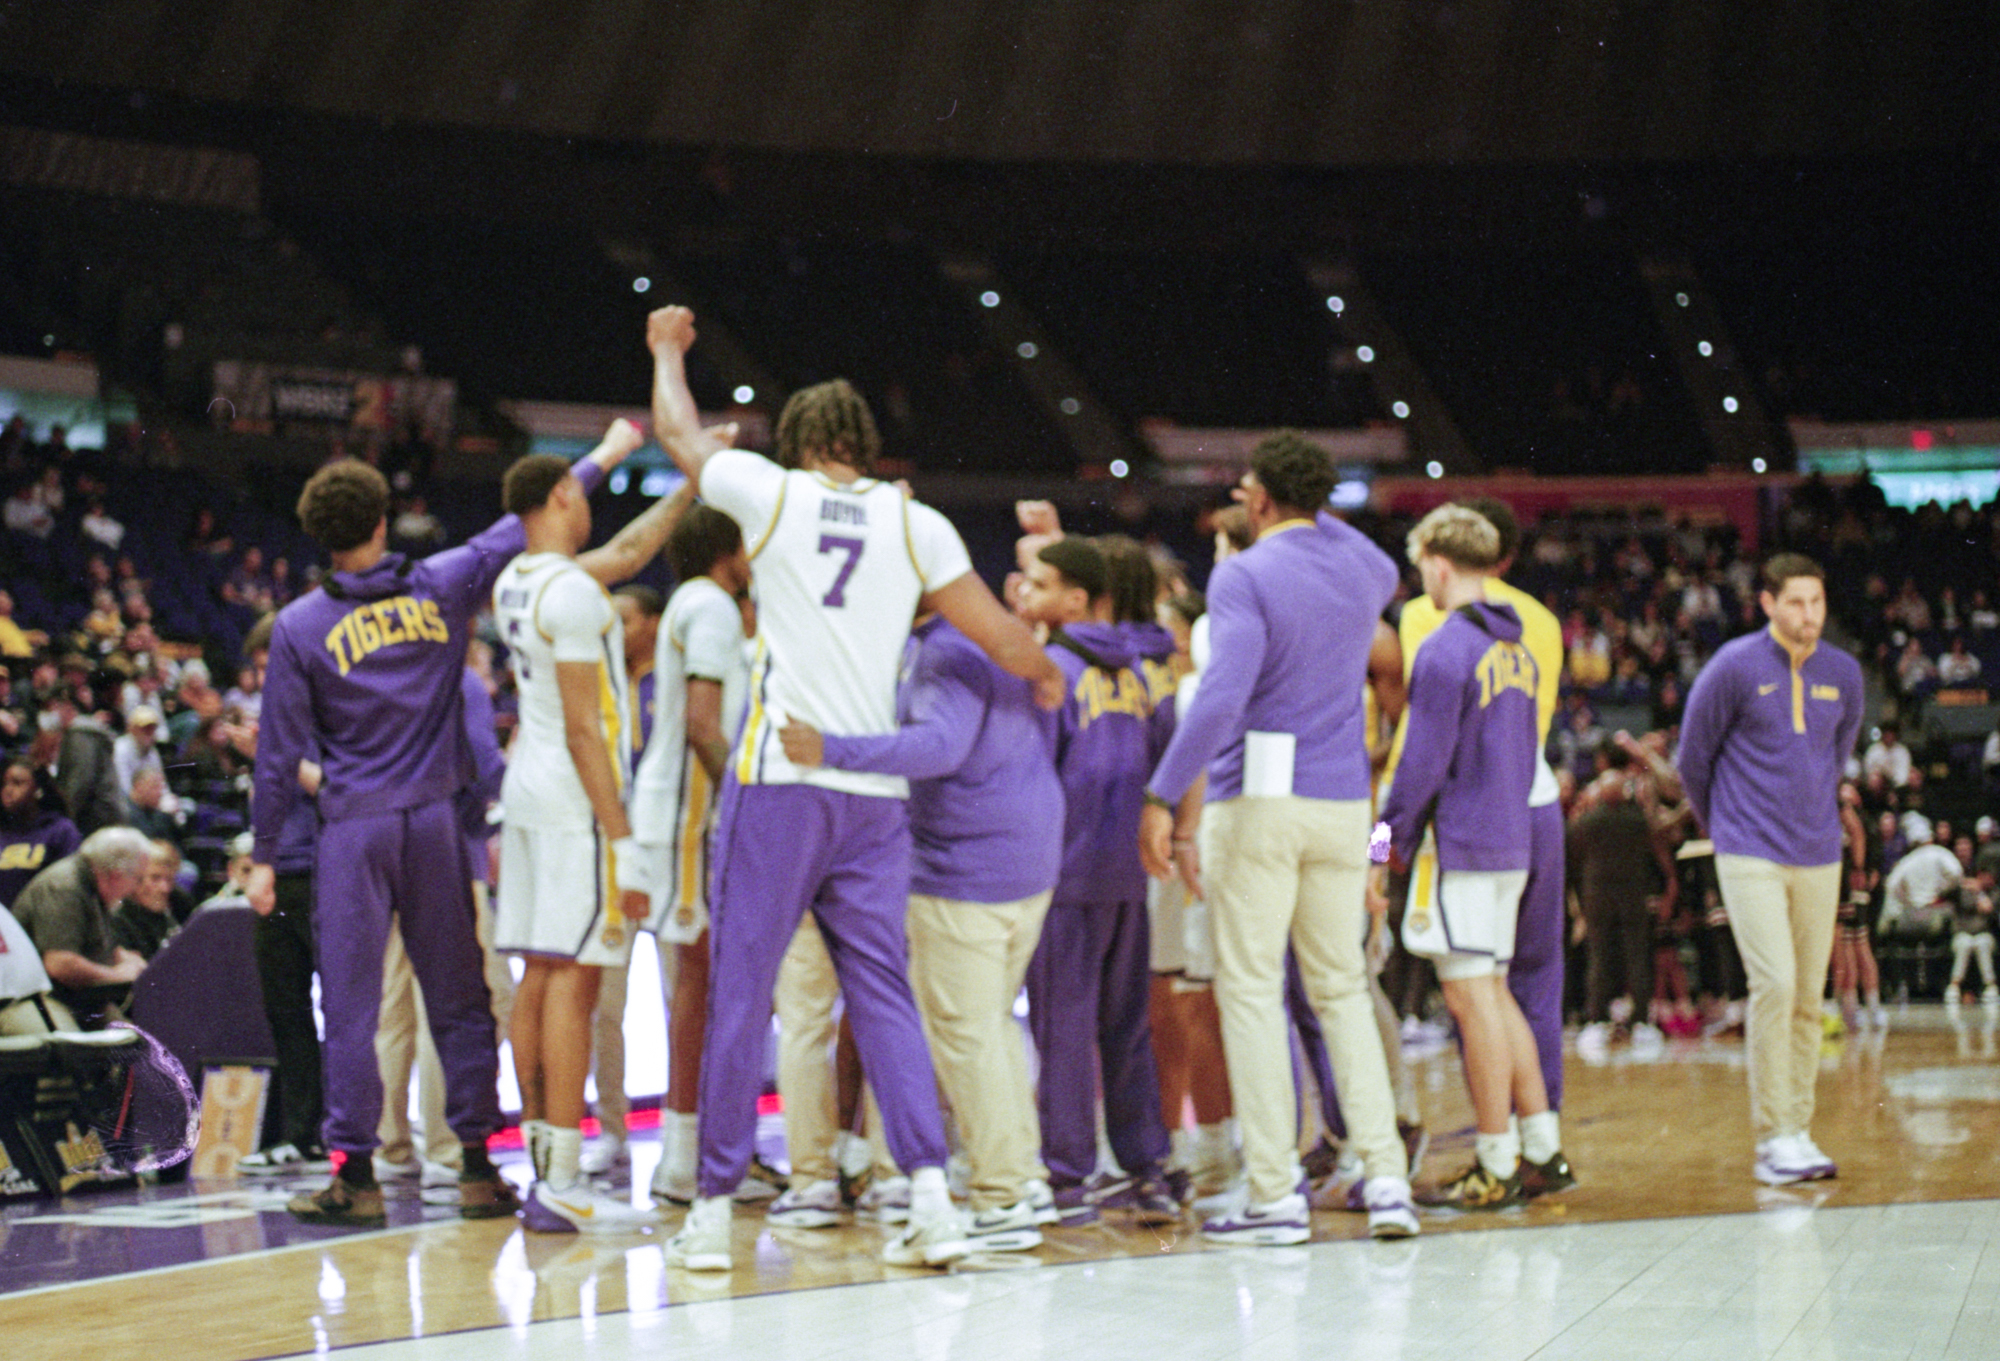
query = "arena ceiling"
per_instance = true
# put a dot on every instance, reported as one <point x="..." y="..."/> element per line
<point x="1329" y="83"/>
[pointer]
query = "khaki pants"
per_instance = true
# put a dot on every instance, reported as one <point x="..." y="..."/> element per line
<point x="1782" y="917"/>
<point x="1282" y="871"/>
<point x="967" y="963"/>
<point x="607" y="1032"/>
<point x="403" y="1043"/>
<point x="804" y="998"/>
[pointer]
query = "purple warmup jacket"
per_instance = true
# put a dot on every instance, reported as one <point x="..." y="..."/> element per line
<point x="979" y="753"/>
<point x="1763" y="744"/>
<point x="1291" y="621"/>
<point x="26" y="851"/>
<point x="368" y="666"/>
<point x="1471" y="744"/>
<point x="1108" y="737"/>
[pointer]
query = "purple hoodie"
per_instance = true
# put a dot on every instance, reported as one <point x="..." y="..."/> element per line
<point x="1470" y="747"/>
<point x="1108" y="737"/>
<point x="980" y="757"/>
<point x="368" y="665"/>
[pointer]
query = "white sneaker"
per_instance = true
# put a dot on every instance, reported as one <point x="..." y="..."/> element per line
<point x="580" y="1209"/>
<point x="1785" y="1159"/>
<point x="672" y="1188"/>
<point x="437" y="1184"/>
<point x="935" y="1239"/>
<point x="1880" y="1015"/>
<point x="1647" y="1038"/>
<point x="816" y="1205"/>
<point x="887" y="1201"/>
<point x="391" y="1169"/>
<point x="1594" y="1040"/>
<point x="1279" y="1223"/>
<point x="1043" y="1202"/>
<point x="286" y="1160"/>
<point x="607" y="1155"/>
<point x="1392" y="1210"/>
<point x="703" y="1241"/>
<point x="1009" y="1228"/>
<point x="1823" y="1167"/>
<point x="1235" y="1192"/>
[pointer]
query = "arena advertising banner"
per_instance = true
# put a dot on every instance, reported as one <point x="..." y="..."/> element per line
<point x="258" y="398"/>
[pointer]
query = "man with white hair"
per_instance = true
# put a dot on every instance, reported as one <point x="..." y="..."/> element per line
<point x="66" y="911"/>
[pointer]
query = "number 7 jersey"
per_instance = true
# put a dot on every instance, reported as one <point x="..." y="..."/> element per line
<point x="840" y="568"/>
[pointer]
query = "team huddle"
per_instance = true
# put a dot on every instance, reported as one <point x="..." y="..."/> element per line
<point x="870" y="779"/>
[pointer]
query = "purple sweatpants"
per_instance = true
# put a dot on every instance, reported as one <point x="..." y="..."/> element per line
<point x="781" y="849"/>
<point x="1536" y="975"/>
<point x="1088" y="989"/>
<point x="411" y="862"/>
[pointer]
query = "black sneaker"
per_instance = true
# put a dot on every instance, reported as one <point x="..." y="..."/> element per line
<point x="1475" y="1189"/>
<point x="1548" y="1178"/>
<point x="343" y="1204"/>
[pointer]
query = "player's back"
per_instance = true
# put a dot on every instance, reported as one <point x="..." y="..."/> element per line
<point x="550" y="610"/>
<point x="840" y="569"/>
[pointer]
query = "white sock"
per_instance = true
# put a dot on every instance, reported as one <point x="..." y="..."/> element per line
<point x="565" y="1149"/>
<point x="680" y="1135"/>
<point x="1541" y="1136"/>
<point x="1499" y="1153"/>
<point x="929" y="1193"/>
<point x="535" y="1138"/>
<point x="1180" y="1147"/>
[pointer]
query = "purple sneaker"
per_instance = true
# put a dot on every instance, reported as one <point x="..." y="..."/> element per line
<point x="1075" y="1205"/>
<point x="539" y="1218"/>
<point x="1279" y="1223"/>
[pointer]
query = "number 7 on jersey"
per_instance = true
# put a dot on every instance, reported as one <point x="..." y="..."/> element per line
<point x="836" y="596"/>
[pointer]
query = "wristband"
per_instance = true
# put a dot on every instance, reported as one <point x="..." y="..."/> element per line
<point x="590" y="473"/>
<point x="1378" y="844"/>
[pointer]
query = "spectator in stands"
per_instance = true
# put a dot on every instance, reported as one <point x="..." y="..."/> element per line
<point x="1972" y="932"/>
<point x="1918" y="896"/>
<point x="144" y="921"/>
<point x="1887" y="758"/>
<point x="197" y="701"/>
<point x="1980" y="614"/>
<point x="248" y="586"/>
<point x="1916" y="673"/>
<point x="246" y="697"/>
<point x="99" y="527"/>
<point x="32" y="835"/>
<point x="139" y="748"/>
<point x="1909" y="609"/>
<point x="415" y="529"/>
<point x="1989" y="763"/>
<point x="86" y="775"/>
<point x="104" y="626"/>
<point x="1589" y="651"/>
<point x="1986" y="849"/>
<point x="66" y="911"/>
<point x="149" y="812"/>
<point x="27" y="514"/>
<point x="208" y="536"/>
<point x="15" y="716"/>
<point x="16" y="642"/>
<point x="1957" y="668"/>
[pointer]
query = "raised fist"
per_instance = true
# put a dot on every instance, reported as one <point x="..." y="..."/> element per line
<point x="670" y="326"/>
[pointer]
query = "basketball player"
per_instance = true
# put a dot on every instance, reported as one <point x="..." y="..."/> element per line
<point x="700" y="682"/>
<point x="1467" y="764"/>
<point x="1770" y="722"/>
<point x="842" y="562"/>
<point x="574" y="885"/>
<point x="1089" y="982"/>
<point x="1535" y="975"/>
<point x="1284" y="830"/>
<point x="366" y="669"/>
<point x="639" y="609"/>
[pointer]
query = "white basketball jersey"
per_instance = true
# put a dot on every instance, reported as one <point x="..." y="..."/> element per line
<point x="840" y="569"/>
<point x="673" y="801"/>
<point x="550" y="610"/>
